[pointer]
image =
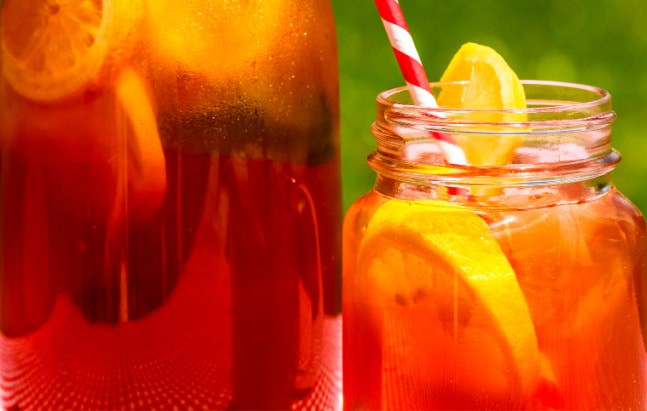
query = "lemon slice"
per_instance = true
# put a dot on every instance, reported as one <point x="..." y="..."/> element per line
<point x="103" y="156"/>
<point x="437" y="267"/>
<point x="146" y="165"/>
<point x="491" y="85"/>
<point x="54" y="49"/>
<point x="213" y="37"/>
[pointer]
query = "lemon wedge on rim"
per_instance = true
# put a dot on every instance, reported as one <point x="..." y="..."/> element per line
<point x="489" y="87"/>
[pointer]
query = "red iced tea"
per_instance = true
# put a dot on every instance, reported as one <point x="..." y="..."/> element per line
<point x="169" y="222"/>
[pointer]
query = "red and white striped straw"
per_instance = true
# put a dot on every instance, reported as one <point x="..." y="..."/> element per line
<point x="413" y="72"/>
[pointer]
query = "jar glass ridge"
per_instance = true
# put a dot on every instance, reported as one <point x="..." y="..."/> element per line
<point x="563" y="136"/>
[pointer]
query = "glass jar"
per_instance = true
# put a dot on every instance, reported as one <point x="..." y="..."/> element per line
<point x="514" y="286"/>
<point x="170" y="206"/>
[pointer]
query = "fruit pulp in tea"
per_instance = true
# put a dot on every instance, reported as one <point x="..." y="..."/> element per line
<point x="168" y="234"/>
<point x="423" y="341"/>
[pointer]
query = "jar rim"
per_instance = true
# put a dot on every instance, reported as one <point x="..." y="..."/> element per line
<point x="602" y="97"/>
<point x="564" y="135"/>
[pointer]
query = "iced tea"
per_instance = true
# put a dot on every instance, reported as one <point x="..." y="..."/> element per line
<point x="512" y="286"/>
<point x="169" y="205"/>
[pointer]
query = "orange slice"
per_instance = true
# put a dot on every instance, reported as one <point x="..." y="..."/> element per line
<point x="146" y="165"/>
<point x="436" y="268"/>
<point x="97" y="156"/>
<point x="57" y="48"/>
<point x="490" y="85"/>
<point x="215" y="38"/>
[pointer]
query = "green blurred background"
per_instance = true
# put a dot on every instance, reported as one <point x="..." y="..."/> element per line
<point x="596" y="42"/>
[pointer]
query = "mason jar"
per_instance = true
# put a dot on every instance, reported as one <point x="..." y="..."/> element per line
<point x="509" y="286"/>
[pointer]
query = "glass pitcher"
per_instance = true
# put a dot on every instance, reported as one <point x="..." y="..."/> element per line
<point x="519" y="286"/>
<point x="169" y="205"/>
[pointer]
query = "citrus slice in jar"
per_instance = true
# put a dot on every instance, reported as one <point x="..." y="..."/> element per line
<point x="216" y="38"/>
<point x="454" y="320"/>
<point x="484" y="81"/>
<point x="99" y="157"/>
<point x="53" y="49"/>
<point x="145" y="172"/>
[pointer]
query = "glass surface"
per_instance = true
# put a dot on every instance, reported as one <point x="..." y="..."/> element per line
<point x="507" y="287"/>
<point x="169" y="205"/>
